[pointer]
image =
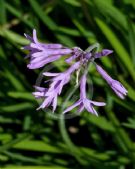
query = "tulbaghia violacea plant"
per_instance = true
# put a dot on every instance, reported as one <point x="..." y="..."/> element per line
<point x="41" y="54"/>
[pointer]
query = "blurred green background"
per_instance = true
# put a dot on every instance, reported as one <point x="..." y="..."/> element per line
<point x="30" y="139"/>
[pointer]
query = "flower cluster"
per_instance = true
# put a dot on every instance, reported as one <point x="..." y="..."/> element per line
<point x="41" y="54"/>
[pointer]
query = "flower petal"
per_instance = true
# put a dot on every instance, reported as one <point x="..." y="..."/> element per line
<point x="98" y="103"/>
<point x="81" y="107"/>
<point x="71" y="107"/>
<point x="40" y="89"/>
<point x="46" y="103"/>
<point x="118" y="86"/>
<point x="83" y="86"/>
<point x="43" y="62"/>
<point x="71" y="58"/>
<point x="104" y="52"/>
<point x="35" y="36"/>
<point x="89" y="107"/>
<point x="103" y="73"/>
<point x="50" y="74"/>
<point x="28" y="37"/>
<point x="119" y="94"/>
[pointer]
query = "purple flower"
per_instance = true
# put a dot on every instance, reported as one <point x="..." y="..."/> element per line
<point x="55" y="88"/>
<point x="41" y="54"/>
<point x="117" y="87"/>
<point x="83" y="102"/>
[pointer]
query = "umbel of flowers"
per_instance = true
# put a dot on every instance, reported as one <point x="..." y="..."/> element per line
<point x="41" y="54"/>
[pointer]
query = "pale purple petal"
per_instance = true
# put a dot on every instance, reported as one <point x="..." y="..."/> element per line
<point x="35" y="66"/>
<point x="104" y="52"/>
<point x="54" y="84"/>
<point x="66" y="75"/>
<point x="43" y="62"/>
<point x="94" y="111"/>
<point x="46" y="103"/>
<point x="40" y="89"/>
<point x="59" y="77"/>
<point x="118" y="93"/>
<point x="50" y="74"/>
<point x="52" y="46"/>
<point x="119" y="89"/>
<point x="37" y="60"/>
<point x="73" y="106"/>
<point x="61" y="86"/>
<point x="38" y="54"/>
<point x="59" y="51"/>
<point x="35" y="46"/>
<point x="97" y="103"/>
<point x="35" y="36"/>
<point x="104" y="74"/>
<point x="89" y="107"/>
<point x="63" y="82"/>
<point x="38" y="94"/>
<point x="28" y="37"/>
<point x="83" y="86"/>
<point x="81" y="108"/>
<point x="74" y="67"/>
<point x="117" y="85"/>
<point x="71" y="58"/>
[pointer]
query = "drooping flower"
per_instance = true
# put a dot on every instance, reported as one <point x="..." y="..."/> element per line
<point x="83" y="102"/>
<point x="41" y="54"/>
<point x="55" y="88"/>
<point x="117" y="87"/>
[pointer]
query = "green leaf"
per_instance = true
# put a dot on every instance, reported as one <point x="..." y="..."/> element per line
<point x="66" y="40"/>
<point x="14" y="80"/>
<point x="131" y="41"/>
<point x="42" y="15"/>
<point x="18" y="14"/>
<point x="117" y="45"/>
<point x="73" y="3"/>
<point x="130" y="123"/>
<point x="14" y="37"/>
<point x="16" y="107"/>
<point x="69" y="31"/>
<point x="94" y="154"/>
<point x="2" y="12"/>
<point x="101" y="122"/>
<point x="21" y="95"/>
<point x="90" y="37"/>
<point x="33" y="145"/>
<point x="110" y="11"/>
<point x="131" y="90"/>
<point x="33" y="167"/>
